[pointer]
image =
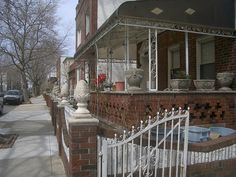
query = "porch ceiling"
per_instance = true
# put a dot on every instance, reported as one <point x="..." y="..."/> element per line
<point x="214" y="17"/>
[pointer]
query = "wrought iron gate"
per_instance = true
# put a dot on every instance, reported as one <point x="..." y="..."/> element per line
<point x="158" y="147"/>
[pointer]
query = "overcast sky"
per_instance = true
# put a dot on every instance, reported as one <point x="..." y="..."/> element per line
<point x="66" y="13"/>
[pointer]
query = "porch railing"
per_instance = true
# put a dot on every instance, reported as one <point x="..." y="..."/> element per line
<point x="157" y="148"/>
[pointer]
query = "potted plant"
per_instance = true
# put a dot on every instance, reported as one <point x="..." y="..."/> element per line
<point x="99" y="83"/>
<point x="180" y="82"/>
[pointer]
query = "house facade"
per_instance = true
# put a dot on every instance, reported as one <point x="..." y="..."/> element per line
<point x="163" y="42"/>
<point x="155" y="43"/>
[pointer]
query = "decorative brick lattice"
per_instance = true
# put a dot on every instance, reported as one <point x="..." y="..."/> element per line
<point x="128" y="109"/>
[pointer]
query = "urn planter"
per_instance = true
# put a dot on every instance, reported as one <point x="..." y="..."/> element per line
<point x="180" y="84"/>
<point x="225" y="80"/>
<point x="134" y="77"/>
<point x="204" y="84"/>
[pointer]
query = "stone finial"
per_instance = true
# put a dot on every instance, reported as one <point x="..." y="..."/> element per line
<point x="81" y="95"/>
<point x="55" y="91"/>
<point x="64" y="93"/>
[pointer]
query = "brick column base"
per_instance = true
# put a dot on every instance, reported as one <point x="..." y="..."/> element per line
<point x="83" y="147"/>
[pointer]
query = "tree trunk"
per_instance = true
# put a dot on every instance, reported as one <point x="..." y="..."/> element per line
<point x="36" y="89"/>
<point x="24" y="86"/>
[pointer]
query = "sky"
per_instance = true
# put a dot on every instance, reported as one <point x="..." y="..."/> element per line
<point x="66" y="24"/>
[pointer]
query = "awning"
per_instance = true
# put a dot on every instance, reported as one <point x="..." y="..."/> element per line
<point x="212" y="17"/>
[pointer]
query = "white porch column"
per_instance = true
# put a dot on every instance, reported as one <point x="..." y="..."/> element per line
<point x="127" y="47"/>
<point x="186" y="54"/>
<point x="156" y="58"/>
<point x="97" y="57"/>
<point x="127" y="62"/>
<point x="149" y="59"/>
<point x="153" y="60"/>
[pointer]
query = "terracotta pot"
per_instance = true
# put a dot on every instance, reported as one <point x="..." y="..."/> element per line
<point x="120" y="86"/>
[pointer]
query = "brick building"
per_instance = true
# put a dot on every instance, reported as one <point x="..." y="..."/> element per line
<point x="162" y="40"/>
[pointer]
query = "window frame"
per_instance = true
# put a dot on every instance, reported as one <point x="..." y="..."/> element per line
<point x="199" y="43"/>
<point x="87" y="24"/>
<point x="78" y="37"/>
<point x="170" y="50"/>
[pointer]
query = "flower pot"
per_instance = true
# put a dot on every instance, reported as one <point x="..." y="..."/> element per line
<point x="180" y="84"/>
<point x="120" y="86"/>
<point x="204" y="84"/>
<point x="134" y="77"/>
<point x="225" y="80"/>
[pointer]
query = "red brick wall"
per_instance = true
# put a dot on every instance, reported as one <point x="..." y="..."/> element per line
<point x="223" y="168"/>
<point x="86" y="7"/>
<point x="225" y="55"/>
<point x="62" y="153"/>
<point x="168" y="39"/>
<point x="128" y="109"/>
<point x="83" y="150"/>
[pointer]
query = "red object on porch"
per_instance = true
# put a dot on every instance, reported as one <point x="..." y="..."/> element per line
<point x="120" y="86"/>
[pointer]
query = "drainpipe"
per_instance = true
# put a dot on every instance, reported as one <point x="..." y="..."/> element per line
<point x="186" y="54"/>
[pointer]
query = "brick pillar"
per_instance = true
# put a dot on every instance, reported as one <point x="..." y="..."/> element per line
<point x="60" y="116"/>
<point x="83" y="147"/>
<point x="82" y="136"/>
<point x="54" y="115"/>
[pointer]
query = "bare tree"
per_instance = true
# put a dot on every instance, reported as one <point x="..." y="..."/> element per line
<point x="26" y="27"/>
<point x="37" y="70"/>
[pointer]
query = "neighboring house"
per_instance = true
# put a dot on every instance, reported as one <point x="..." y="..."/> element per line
<point x="63" y="68"/>
<point x="165" y="39"/>
<point x="90" y="15"/>
<point x="161" y="39"/>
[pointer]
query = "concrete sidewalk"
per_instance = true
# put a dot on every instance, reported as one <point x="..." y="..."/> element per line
<point x="35" y="152"/>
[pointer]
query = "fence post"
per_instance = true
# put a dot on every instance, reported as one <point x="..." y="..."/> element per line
<point x="82" y="136"/>
<point x="83" y="147"/>
<point x="185" y="145"/>
<point x="104" y="158"/>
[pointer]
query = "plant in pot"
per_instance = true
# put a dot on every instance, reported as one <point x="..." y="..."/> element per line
<point x="181" y="81"/>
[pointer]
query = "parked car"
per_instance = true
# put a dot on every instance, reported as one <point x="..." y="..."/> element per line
<point x="13" y="96"/>
<point x="1" y="102"/>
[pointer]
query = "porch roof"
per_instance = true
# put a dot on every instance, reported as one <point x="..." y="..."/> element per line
<point x="214" y="17"/>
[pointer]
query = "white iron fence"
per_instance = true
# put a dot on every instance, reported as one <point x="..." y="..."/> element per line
<point x="157" y="148"/>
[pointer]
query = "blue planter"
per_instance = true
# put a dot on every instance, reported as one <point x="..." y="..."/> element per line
<point x="198" y="134"/>
<point x="222" y="131"/>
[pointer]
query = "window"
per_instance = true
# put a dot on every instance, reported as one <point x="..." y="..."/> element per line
<point x="78" y="75"/>
<point x="206" y="58"/>
<point x="87" y="24"/>
<point x="173" y="61"/>
<point x="78" y="41"/>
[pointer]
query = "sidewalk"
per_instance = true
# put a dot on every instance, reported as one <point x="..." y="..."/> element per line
<point x="35" y="152"/>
